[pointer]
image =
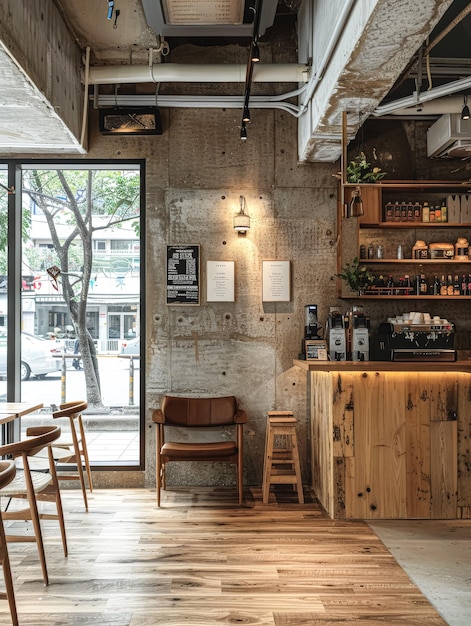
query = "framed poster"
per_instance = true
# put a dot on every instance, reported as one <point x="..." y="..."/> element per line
<point x="183" y="275"/>
<point x="220" y="281"/>
<point x="276" y="281"/>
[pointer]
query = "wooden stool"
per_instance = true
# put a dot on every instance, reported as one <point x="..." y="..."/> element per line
<point x="281" y="465"/>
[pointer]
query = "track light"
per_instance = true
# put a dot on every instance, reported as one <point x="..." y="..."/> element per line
<point x="243" y="132"/>
<point x="255" y="52"/>
<point x="465" y="110"/>
<point x="246" y="115"/>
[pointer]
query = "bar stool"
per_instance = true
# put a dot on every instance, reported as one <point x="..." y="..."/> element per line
<point x="281" y="466"/>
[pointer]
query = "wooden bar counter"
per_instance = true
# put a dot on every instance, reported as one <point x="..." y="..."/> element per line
<point x="389" y="439"/>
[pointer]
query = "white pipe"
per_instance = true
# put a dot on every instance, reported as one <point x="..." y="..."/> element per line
<point x="425" y="96"/>
<point x="448" y="104"/>
<point x="197" y="73"/>
<point x="202" y="102"/>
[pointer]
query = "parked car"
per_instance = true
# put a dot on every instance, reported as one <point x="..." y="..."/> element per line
<point x="131" y="346"/>
<point x="37" y="356"/>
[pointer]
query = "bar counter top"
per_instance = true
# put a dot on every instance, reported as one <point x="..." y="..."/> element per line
<point x="384" y="366"/>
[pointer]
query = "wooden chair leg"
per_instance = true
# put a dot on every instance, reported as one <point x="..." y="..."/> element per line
<point x="9" y="589"/>
<point x="84" y="452"/>
<point x="58" y="501"/>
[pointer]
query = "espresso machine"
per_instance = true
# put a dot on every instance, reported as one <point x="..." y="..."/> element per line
<point x="337" y="339"/>
<point x="360" y="336"/>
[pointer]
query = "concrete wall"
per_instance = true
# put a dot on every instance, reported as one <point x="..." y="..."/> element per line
<point x="195" y="173"/>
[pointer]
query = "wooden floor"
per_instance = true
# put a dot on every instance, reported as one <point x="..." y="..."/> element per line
<point x="200" y="560"/>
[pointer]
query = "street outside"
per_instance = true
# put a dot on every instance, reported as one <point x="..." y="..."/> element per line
<point x="114" y="378"/>
<point x="111" y="438"/>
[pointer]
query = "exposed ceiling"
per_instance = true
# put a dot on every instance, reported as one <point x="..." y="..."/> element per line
<point x="424" y="49"/>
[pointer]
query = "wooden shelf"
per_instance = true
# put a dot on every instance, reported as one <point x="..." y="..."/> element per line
<point x="412" y="225"/>
<point x="394" y="297"/>
<point x="415" y="261"/>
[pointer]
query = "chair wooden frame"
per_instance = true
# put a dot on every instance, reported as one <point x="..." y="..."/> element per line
<point x="193" y="413"/>
<point x="34" y="486"/>
<point x="76" y="451"/>
<point x="7" y="474"/>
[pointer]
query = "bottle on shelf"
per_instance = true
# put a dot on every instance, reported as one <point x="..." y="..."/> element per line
<point x="425" y="212"/>
<point x="444" y="211"/>
<point x="456" y="286"/>
<point x="443" y="286"/>
<point x="389" y="212"/>
<point x="417" y="212"/>
<point x="423" y="287"/>
<point x="449" y="285"/>
<point x="436" y="286"/>
<point x="397" y="211"/>
<point x="464" y="285"/>
<point x="469" y="285"/>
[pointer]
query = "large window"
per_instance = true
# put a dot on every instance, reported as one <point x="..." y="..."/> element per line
<point x="80" y="306"/>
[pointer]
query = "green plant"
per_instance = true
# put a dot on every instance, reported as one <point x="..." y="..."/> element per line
<point x="360" y="171"/>
<point x="357" y="276"/>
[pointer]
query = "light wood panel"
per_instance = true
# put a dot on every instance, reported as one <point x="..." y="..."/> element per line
<point x="200" y="560"/>
<point x="386" y="444"/>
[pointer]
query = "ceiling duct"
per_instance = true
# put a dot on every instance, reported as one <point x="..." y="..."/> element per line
<point x="207" y="18"/>
<point x="449" y="136"/>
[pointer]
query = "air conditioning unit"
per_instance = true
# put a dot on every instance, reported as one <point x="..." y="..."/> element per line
<point x="449" y="136"/>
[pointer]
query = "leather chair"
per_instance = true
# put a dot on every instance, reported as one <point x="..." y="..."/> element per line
<point x="195" y="413"/>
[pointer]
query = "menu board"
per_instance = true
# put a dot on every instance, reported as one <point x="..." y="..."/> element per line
<point x="220" y="281"/>
<point x="183" y="275"/>
<point x="276" y="280"/>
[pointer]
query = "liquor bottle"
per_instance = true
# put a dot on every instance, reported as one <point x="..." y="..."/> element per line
<point x="400" y="291"/>
<point x="407" y="285"/>
<point x="449" y="286"/>
<point x="443" y="287"/>
<point x="469" y="284"/>
<point x="389" y="212"/>
<point x="456" y="286"/>
<point x="464" y="285"/>
<point x="410" y="212"/>
<point x="436" y="286"/>
<point x="404" y="211"/>
<point x="417" y="212"/>
<point x="390" y="285"/>
<point x="397" y="211"/>
<point x="423" y="287"/>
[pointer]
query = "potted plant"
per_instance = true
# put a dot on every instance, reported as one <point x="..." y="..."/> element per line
<point x="360" y="171"/>
<point x="357" y="276"/>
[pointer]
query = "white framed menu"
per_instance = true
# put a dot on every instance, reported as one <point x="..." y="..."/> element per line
<point x="276" y="281"/>
<point x="220" y="281"/>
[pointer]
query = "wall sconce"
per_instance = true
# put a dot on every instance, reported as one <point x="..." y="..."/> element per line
<point x="465" y="110"/>
<point x="241" y="219"/>
<point x="355" y="207"/>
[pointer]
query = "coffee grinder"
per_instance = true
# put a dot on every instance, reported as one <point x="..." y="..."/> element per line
<point x="313" y="333"/>
<point x="360" y="336"/>
<point x="337" y="335"/>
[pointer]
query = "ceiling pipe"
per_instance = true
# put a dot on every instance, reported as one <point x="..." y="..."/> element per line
<point x="202" y="102"/>
<point x="197" y="73"/>
<point x="425" y="96"/>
